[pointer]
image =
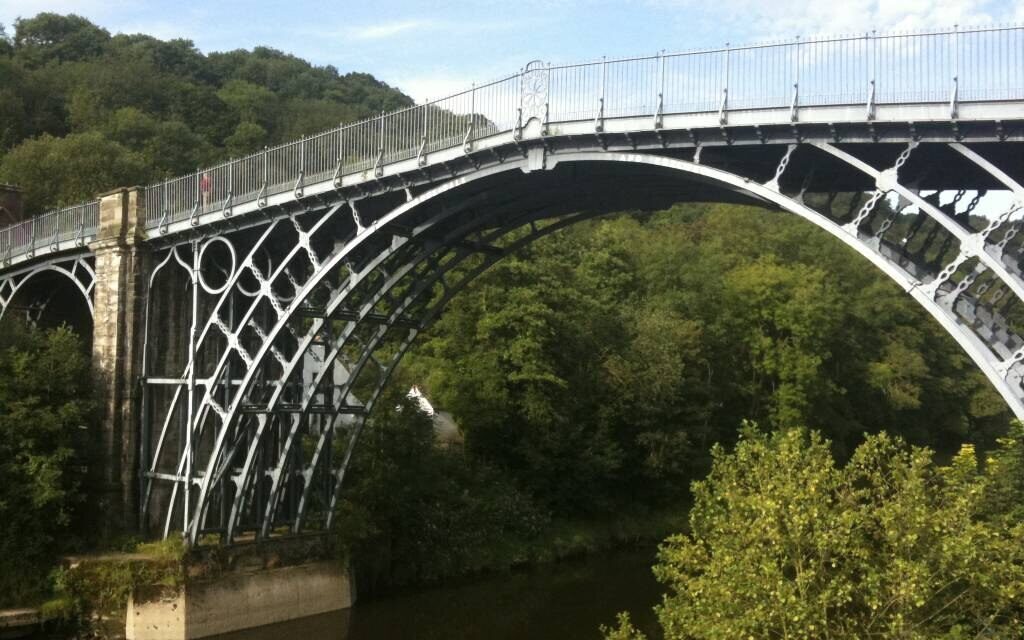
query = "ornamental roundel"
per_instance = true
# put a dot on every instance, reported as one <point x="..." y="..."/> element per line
<point x="534" y="90"/>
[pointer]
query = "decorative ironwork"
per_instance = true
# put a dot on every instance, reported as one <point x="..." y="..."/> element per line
<point x="76" y="270"/>
<point x="287" y="285"/>
<point x="535" y="91"/>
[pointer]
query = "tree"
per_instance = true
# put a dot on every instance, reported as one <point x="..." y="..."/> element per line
<point x="250" y="102"/>
<point x="247" y="138"/>
<point x="785" y="543"/>
<point x="412" y="511"/>
<point x="170" y="105"/>
<point x="53" y="37"/>
<point x="788" y="315"/>
<point x="45" y="408"/>
<point x="12" y="105"/>
<point x="6" y="46"/>
<point x="61" y="171"/>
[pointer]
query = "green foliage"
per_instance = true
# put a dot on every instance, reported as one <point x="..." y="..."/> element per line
<point x="788" y="315"/>
<point x="599" y="365"/>
<point x="248" y="137"/>
<point x="416" y="513"/>
<point x="50" y="37"/>
<point x="98" y="587"/>
<point x="76" y="168"/>
<point x="163" y="107"/>
<point x="44" y="408"/>
<point x="784" y="543"/>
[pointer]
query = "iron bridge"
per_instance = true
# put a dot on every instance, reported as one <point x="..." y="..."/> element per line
<point x="276" y="293"/>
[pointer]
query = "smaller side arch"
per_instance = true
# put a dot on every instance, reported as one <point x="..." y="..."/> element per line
<point x="78" y="272"/>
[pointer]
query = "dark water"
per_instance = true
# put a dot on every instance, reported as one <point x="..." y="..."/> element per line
<point x="562" y="601"/>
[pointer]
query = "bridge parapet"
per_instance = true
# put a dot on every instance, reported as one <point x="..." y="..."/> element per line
<point x="52" y="232"/>
<point x="920" y="77"/>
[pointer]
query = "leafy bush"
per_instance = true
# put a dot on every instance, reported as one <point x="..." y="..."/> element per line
<point x="784" y="543"/>
<point x="414" y="512"/>
<point x="44" y="408"/>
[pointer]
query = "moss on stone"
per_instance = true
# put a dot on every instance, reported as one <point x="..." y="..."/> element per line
<point x="94" y="590"/>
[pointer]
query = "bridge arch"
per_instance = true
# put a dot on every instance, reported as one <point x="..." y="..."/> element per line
<point x="441" y="204"/>
<point x="57" y="291"/>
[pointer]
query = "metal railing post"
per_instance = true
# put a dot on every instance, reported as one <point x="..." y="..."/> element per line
<point x="517" y="130"/>
<point x="199" y="204"/>
<point x="723" y="108"/>
<point x="167" y="206"/>
<point x="230" y="199"/>
<point x="547" y="101"/>
<point x="795" y="103"/>
<point x="421" y="158"/>
<point x="872" y="54"/>
<point x="659" y="113"/>
<point x="378" y="168"/>
<point x="297" y="190"/>
<point x="340" y="168"/>
<point x="467" y="142"/>
<point x="261" y="197"/>
<point x="954" y="94"/>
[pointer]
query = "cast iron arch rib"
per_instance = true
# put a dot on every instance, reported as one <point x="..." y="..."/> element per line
<point x="1001" y="374"/>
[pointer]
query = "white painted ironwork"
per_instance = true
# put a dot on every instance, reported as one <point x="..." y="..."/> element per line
<point x="291" y="303"/>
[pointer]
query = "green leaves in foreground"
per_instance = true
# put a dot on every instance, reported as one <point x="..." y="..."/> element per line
<point x="785" y="544"/>
<point x="44" y="406"/>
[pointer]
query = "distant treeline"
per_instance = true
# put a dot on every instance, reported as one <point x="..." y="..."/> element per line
<point x="592" y="373"/>
<point x="82" y="111"/>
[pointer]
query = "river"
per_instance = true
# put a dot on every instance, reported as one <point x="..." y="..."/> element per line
<point x="567" y="600"/>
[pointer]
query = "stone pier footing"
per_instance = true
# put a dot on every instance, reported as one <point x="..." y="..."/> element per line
<point x="238" y="601"/>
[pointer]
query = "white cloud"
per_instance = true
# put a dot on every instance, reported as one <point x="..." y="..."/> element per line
<point x="432" y="85"/>
<point x="387" y="29"/>
<point x="786" y="18"/>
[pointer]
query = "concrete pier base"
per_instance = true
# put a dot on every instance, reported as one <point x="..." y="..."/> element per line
<point x="238" y="601"/>
<point x="19" y="623"/>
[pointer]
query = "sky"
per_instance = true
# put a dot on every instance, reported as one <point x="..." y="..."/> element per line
<point x="433" y="48"/>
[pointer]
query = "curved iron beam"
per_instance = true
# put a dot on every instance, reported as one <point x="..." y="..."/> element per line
<point x="14" y="284"/>
<point x="766" y="193"/>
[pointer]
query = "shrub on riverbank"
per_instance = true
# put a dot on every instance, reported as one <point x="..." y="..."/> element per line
<point x="416" y="513"/>
<point x="785" y="543"/>
<point x="45" y="406"/>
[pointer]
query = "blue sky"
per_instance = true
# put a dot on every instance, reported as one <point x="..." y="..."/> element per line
<point x="432" y="48"/>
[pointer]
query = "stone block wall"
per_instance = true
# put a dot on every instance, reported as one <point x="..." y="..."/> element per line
<point x="122" y="269"/>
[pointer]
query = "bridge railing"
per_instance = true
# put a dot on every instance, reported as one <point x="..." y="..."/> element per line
<point x="934" y="66"/>
<point x="945" y="66"/>
<point x="47" y="232"/>
<point x="364" y="146"/>
<point x="937" y="66"/>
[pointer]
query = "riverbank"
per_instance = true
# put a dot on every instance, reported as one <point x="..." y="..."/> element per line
<point x="98" y="586"/>
<point x="634" y="527"/>
<point x="572" y="598"/>
<point x="562" y="539"/>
